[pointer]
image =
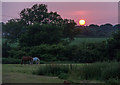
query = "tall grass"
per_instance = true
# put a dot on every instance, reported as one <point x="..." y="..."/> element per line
<point x="52" y="69"/>
<point x="96" y="71"/>
<point x="104" y="72"/>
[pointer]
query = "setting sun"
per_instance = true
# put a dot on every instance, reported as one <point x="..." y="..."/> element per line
<point x="82" y="22"/>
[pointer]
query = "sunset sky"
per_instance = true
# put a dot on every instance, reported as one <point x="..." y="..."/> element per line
<point x="93" y="12"/>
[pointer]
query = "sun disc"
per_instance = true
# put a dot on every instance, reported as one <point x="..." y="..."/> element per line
<point x="82" y="22"/>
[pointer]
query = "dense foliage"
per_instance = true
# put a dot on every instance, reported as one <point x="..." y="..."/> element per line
<point x="92" y="30"/>
<point x="46" y="35"/>
<point x="41" y="34"/>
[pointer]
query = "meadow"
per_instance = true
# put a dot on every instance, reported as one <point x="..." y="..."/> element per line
<point x="17" y="73"/>
<point x="104" y="73"/>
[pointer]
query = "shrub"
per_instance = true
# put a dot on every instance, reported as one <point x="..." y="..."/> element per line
<point x="42" y="62"/>
<point x="11" y="61"/>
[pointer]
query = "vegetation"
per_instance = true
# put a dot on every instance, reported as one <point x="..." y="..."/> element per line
<point x="103" y="72"/>
<point x="74" y="73"/>
<point x="11" y="60"/>
<point x="52" y="39"/>
<point x="92" y="30"/>
<point x="16" y="73"/>
<point x="52" y="70"/>
<point x="80" y="40"/>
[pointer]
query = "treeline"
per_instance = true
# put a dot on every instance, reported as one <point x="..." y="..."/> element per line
<point x="46" y="35"/>
<point x="83" y="53"/>
<point x="93" y="30"/>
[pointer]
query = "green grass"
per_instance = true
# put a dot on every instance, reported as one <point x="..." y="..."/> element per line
<point x="18" y="68"/>
<point x="99" y="72"/>
<point x="25" y="78"/>
<point x="17" y="73"/>
<point x="104" y="72"/>
<point x="75" y="73"/>
<point x="78" y="41"/>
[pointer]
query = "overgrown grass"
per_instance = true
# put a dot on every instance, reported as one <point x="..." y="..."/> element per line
<point x="103" y="72"/>
<point x="52" y="69"/>
<point x="18" y="68"/>
<point x="98" y="71"/>
<point x="17" y="73"/>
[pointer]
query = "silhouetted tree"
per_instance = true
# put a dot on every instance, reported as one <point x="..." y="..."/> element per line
<point x="69" y="31"/>
<point x="41" y="34"/>
<point x="38" y="13"/>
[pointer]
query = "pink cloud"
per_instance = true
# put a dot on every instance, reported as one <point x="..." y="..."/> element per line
<point x="81" y="12"/>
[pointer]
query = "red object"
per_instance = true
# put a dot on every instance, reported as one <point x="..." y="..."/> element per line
<point x="66" y="83"/>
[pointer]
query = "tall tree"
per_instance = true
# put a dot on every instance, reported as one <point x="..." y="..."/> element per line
<point x="33" y="18"/>
<point x="69" y="31"/>
<point x="38" y="13"/>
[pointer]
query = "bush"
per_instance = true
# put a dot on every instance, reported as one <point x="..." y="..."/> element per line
<point x="11" y="61"/>
<point x="42" y="62"/>
<point x="48" y="52"/>
<point x="17" y="54"/>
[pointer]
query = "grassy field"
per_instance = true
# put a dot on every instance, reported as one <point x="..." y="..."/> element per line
<point x="17" y="73"/>
<point x="58" y="73"/>
<point x="87" y="40"/>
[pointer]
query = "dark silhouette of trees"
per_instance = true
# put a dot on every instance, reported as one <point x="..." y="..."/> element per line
<point x="113" y="46"/>
<point x="12" y="30"/>
<point x="41" y="34"/>
<point x="93" y="30"/>
<point x="32" y="19"/>
<point x="69" y="31"/>
<point x="38" y="13"/>
<point x="5" y="49"/>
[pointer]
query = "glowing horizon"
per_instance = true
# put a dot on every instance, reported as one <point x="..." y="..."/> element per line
<point x="93" y="12"/>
